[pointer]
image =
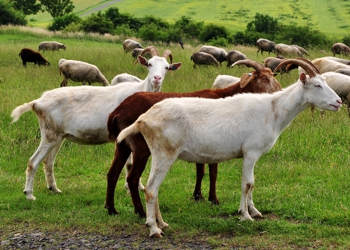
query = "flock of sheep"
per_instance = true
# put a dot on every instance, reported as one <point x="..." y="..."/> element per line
<point x="134" y="114"/>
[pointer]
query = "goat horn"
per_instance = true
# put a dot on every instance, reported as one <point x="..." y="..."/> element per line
<point x="153" y="50"/>
<point x="249" y="63"/>
<point x="306" y="66"/>
<point x="310" y="63"/>
<point x="167" y="53"/>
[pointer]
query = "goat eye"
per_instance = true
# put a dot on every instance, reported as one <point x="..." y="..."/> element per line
<point x="149" y="65"/>
<point x="318" y="86"/>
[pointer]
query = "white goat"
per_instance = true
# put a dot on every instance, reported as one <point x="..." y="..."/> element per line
<point x="223" y="81"/>
<point x="327" y="64"/>
<point x="80" y="115"/>
<point x="340" y="83"/>
<point x="201" y="130"/>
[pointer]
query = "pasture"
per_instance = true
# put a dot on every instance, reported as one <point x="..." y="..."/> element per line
<point x="329" y="17"/>
<point x="301" y="185"/>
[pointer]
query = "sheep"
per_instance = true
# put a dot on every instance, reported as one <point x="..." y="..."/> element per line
<point x="201" y="130"/>
<point x="341" y="60"/>
<point x="234" y="56"/>
<point x="287" y="50"/>
<point x="80" y="115"/>
<point x="343" y="71"/>
<point x="136" y="52"/>
<point x="301" y="49"/>
<point x="219" y="53"/>
<point x="260" y="80"/>
<point x="325" y="64"/>
<point x="51" y="46"/>
<point x="340" y="48"/>
<point x="265" y="45"/>
<point x="124" y="77"/>
<point x="273" y="62"/>
<point x="223" y="81"/>
<point x="129" y="45"/>
<point x="202" y="58"/>
<point x="28" y="55"/>
<point x="79" y="71"/>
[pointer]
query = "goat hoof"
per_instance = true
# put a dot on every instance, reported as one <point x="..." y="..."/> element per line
<point x="214" y="201"/>
<point x="112" y="211"/>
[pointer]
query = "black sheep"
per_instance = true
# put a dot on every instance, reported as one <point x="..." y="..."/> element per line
<point x="29" y="55"/>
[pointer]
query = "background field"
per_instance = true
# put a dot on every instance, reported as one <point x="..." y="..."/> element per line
<point x="302" y="184"/>
<point x="329" y="17"/>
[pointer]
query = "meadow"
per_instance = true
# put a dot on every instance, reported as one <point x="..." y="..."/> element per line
<point x="328" y="17"/>
<point x="301" y="185"/>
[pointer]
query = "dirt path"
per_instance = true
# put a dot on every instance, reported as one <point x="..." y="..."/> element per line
<point x="101" y="7"/>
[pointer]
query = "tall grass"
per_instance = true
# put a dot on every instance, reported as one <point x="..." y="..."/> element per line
<point x="302" y="184"/>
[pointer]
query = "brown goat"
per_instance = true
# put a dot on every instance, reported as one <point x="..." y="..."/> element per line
<point x="261" y="80"/>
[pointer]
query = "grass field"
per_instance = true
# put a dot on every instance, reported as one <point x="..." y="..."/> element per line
<point x="302" y="184"/>
<point x="329" y="17"/>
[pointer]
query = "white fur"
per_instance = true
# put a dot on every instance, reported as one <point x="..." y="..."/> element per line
<point x="80" y="115"/>
<point x="124" y="77"/>
<point x="223" y="81"/>
<point x="201" y="130"/>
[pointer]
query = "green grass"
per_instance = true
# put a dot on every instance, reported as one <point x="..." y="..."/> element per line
<point x="302" y="184"/>
<point x="329" y="17"/>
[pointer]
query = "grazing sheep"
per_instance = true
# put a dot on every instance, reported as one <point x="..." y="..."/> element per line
<point x="341" y="49"/>
<point x="234" y="56"/>
<point x="260" y="80"/>
<point x="80" y="114"/>
<point x="301" y="49"/>
<point x="343" y="71"/>
<point x="273" y="62"/>
<point x="223" y="81"/>
<point x="219" y="53"/>
<point x="28" y="55"/>
<point x="287" y="50"/>
<point x="341" y="60"/>
<point x="125" y="77"/>
<point x="79" y="71"/>
<point x="202" y="58"/>
<point x="265" y="45"/>
<point x="325" y="64"/>
<point x="44" y="46"/>
<point x="129" y="45"/>
<point x="201" y="130"/>
<point x="136" y="52"/>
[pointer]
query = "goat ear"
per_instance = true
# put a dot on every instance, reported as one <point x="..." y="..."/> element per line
<point x="245" y="79"/>
<point x="302" y="78"/>
<point x="174" y="66"/>
<point x="142" y="60"/>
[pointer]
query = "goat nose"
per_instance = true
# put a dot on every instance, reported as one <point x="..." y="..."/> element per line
<point x="339" y="101"/>
<point x="157" y="77"/>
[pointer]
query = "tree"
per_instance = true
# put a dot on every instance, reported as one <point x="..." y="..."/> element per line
<point x="8" y="15"/>
<point x="28" y="7"/>
<point x="263" y="24"/>
<point x="57" y="8"/>
<point x="97" y="23"/>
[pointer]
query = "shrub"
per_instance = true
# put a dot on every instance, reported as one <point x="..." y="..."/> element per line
<point x="97" y="23"/>
<point x="212" y="32"/>
<point x="10" y="16"/>
<point x="61" y="22"/>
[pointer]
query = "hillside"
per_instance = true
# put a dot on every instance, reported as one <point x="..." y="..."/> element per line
<point x="328" y="16"/>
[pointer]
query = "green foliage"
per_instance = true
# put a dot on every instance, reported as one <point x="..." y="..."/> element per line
<point x="10" y="16"/>
<point x="212" y="32"/>
<point x="97" y="23"/>
<point x="263" y="24"/>
<point x="188" y="27"/>
<point x="61" y="22"/>
<point x="118" y="18"/>
<point x="28" y="7"/>
<point x="57" y="8"/>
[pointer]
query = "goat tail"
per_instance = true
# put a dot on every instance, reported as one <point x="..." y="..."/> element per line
<point x="132" y="129"/>
<point x="17" y="112"/>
